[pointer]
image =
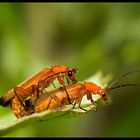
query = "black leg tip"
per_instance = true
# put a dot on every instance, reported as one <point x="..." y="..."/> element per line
<point x="3" y="102"/>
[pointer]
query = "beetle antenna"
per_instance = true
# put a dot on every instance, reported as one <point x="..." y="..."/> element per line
<point x="124" y="85"/>
<point x="122" y="76"/>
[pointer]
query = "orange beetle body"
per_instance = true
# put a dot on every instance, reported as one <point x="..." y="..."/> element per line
<point x="76" y="92"/>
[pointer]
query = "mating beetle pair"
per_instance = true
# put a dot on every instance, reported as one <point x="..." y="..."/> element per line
<point x="29" y="96"/>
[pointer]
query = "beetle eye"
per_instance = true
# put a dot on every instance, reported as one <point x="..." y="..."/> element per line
<point x="70" y="73"/>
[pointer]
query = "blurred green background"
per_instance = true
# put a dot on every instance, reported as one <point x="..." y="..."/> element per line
<point x="88" y="36"/>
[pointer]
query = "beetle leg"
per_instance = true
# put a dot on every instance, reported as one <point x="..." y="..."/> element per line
<point x="94" y="104"/>
<point x="79" y="99"/>
<point x="49" y="103"/>
<point x="83" y="109"/>
<point x="89" y="97"/>
<point x="74" y="105"/>
<point x="61" y="81"/>
<point x="67" y="94"/>
<point x="68" y="82"/>
<point x="40" y="87"/>
<point x="42" y="84"/>
<point x="55" y="98"/>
